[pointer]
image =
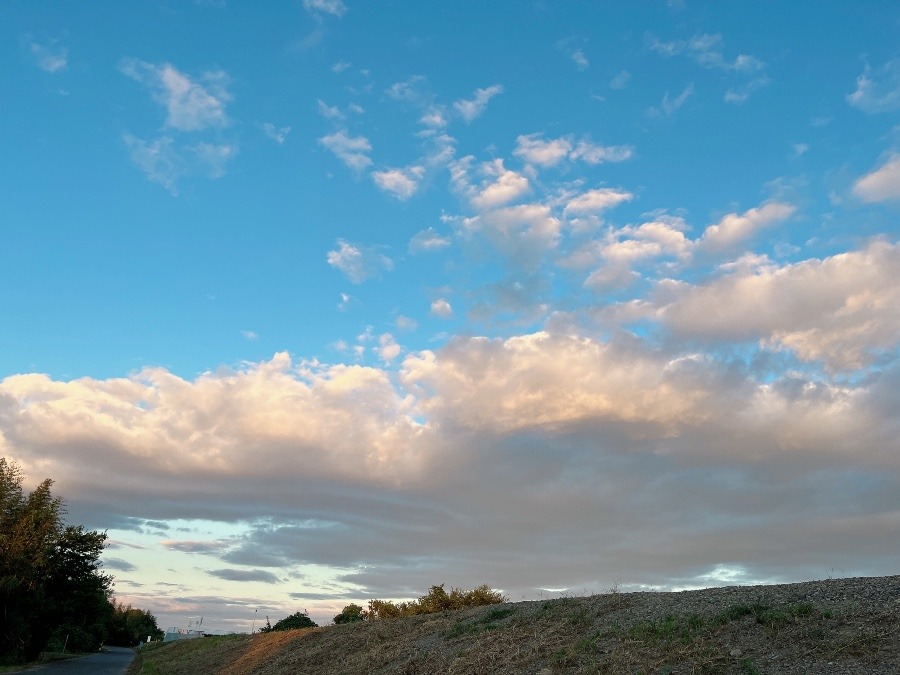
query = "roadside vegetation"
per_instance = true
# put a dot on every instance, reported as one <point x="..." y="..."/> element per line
<point x="54" y="596"/>
<point x="790" y="630"/>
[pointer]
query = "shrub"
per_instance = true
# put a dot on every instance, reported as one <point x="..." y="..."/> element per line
<point x="349" y="614"/>
<point x="437" y="600"/>
<point x="295" y="620"/>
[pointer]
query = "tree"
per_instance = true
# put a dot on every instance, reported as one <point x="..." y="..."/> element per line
<point x="350" y="614"/>
<point x="129" y="626"/>
<point x="295" y="620"/>
<point x="51" y="585"/>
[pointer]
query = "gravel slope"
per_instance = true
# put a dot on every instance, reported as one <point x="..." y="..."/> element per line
<point x="838" y="626"/>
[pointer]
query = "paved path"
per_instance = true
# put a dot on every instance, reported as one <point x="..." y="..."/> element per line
<point x="112" y="661"/>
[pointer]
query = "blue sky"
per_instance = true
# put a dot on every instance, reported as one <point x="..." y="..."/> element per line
<point x="312" y="302"/>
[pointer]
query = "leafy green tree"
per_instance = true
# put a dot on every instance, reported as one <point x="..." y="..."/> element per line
<point x="51" y="585"/>
<point x="350" y="614"/>
<point x="129" y="626"/>
<point x="295" y="620"/>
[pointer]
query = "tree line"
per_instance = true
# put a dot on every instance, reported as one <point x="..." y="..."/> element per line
<point x="53" y="593"/>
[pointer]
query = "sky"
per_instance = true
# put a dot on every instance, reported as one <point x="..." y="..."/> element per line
<point x="311" y="302"/>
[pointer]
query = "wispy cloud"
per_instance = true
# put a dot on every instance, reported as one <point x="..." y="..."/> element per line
<point x="469" y="109"/>
<point x="352" y="151"/>
<point x="358" y="262"/>
<point x="50" y="56"/>
<point x="333" y="7"/>
<point x="878" y="90"/>
<point x="191" y="105"/>
<point x="277" y="134"/>
<point x="427" y="240"/>
<point x="669" y="105"/>
<point x="158" y="159"/>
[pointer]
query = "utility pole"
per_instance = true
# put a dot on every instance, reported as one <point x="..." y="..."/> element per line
<point x="253" y="630"/>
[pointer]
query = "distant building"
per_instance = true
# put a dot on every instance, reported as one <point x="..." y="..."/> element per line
<point x="173" y="634"/>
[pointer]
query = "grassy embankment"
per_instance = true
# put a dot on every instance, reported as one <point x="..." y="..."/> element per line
<point x="744" y="632"/>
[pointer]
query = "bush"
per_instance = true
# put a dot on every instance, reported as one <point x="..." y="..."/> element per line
<point x="295" y="620"/>
<point x="437" y="600"/>
<point x="349" y="614"/>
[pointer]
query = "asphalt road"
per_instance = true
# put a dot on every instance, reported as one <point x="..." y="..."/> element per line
<point x="112" y="661"/>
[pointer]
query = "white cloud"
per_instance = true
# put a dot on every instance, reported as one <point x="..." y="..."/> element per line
<point x="706" y="50"/>
<point x="620" y="81"/>
<point x="533" y="149"/>
<point x="469" y="109"/>
<point x="411" y="90"/>
<point x="607" y="435"/>
<point x="880" y="184"/>
<point x="279" y="135"/>
<point x="213" y="159"/>
<point x="352" y="151"/>
<point x="523" y="233"/>
<point x="400" y="183"/>
<point x="878" y="91"/>
<point x="841" y="310"/>
<point x="405" y="323"/>
<point x="499" y="185"/>
<point x="735" y="228"/>
<point x="191" y="106"/>
<point x="441" y="308"/>
<point x="340" y="66"/>
<point x="388" y="349"/>
<point x="669" y="106"/>
<point x="596" y="201"/>
<point x="358" y="263"/>
<point x="591" y="153"/>
<point x="249" y="335"/>
<point x="50" y="57"/>
<point x="427" y="240"/>
<point x="435" y="117"/>
<point x="329" y="112"/>
<point x="158" y="159"/>
<point x="579" y="59"/>
<point x="333" y="7"/>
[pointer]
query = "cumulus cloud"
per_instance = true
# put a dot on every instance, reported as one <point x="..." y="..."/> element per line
<point x="533" y="149"/>
<point x="499" y="185"/>
<point x="595" y="201"/>
<point x="882" y="183"/>
<point x="191" y="105"/>
<point x="620" y="81"/>
<point x="335" y="465"/>
<point x="843" y="310"/>
<point x="469" y="109"/>
<point x="401" y="183"/>
<point x="352" y="151"/>
<point x="735" y="228"/>
<point x="357" y="262"/>
<point x="523" y="233"/>
<point x="878" y="90"/>
<point x="441" y="308"/>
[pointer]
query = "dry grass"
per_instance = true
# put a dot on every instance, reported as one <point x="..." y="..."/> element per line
<point x="735" y="632"/>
